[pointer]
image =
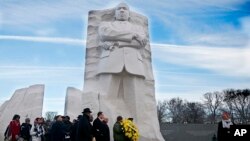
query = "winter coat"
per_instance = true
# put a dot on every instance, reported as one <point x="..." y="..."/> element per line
<point x="98" y="129"/>
<point x="68" y="129"/>
<point x="73" y="131"/>
<point x="57" y="131"/>
<point x="118" y="132"/>
<point x="84" y="129"/>
<point x="223" y="134"/>
<point x="106" y="133"/>
<point x="25" y="131"/>
<point x="37" y="133"/>
<point x="14" y="130"/>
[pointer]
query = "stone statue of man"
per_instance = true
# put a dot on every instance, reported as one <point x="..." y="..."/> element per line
<point x="121" y="69"/>
<point x="121" y="42"/>
<point x="118" y="73"/>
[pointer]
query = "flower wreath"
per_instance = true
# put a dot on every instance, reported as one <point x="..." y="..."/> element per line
<point x="130" y="130"/>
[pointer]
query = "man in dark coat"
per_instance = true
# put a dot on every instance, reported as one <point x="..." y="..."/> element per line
<point x="68" y="128"/>
<point x="98" y="127"/>
<point x="223" y="133"/>
<point x="74" y="128"/>
<point x="106" y="130"/>
<point x="84" y="129"/>
<point x="58" y="130"/>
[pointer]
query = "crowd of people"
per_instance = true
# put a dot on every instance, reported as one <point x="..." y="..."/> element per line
<point x="84" y="128"/>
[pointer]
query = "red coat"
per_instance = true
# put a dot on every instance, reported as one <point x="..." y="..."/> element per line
<point x="14" y="129"/>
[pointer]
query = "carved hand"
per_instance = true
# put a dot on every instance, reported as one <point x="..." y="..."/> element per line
<point x="107" y="45"/>
<point x="140" y="39"/>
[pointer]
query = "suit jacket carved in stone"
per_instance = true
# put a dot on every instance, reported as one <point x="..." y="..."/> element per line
<point x="119" y="49"/>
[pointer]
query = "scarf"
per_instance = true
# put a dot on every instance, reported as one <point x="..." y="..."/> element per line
<point x="226" y="123"/>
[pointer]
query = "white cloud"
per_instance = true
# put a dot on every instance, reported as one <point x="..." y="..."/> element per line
<point x="70" y="41"/>
<point x="228" y="61"/>
<point x="194" y="96"/>
<point x="183" y="5"/>
<point x="230" y="39"/>
<point x="203" y="31"/>
<point x="48" y="75"/>
<point x="191" y="86"/>
<point x="245" y="22"/>
<point x="45" y="31"/>
<point x="28" y="75"/>
<point x="46" y="11"/>
<point x="56" y="80"/>
<point x="195" y="22"/>
<point x="31" y="12"/>
<point x="1" y="19"/>
<point x="35" y="12"/>
<point x="224" y="4"/>
<point x="226" y="52"/>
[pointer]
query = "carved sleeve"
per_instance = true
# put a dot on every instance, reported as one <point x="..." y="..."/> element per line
<point x="108" y="33"/>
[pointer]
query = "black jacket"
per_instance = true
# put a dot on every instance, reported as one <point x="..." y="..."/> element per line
<point x="84" y="129"/>
<point x="74" y="131"/>
<point x="57" y="131"/>
<point x="223" y="134"/>
<point x="25" y="131"/>
<point x="98" y="129"/>
<point x="106" y="132"/>
<point x="68" y="129"/>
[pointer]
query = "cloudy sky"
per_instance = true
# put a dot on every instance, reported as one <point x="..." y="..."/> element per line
<point x="198" y="46"/>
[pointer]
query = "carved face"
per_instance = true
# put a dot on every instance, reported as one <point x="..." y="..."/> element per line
<point x="122" y="12"/>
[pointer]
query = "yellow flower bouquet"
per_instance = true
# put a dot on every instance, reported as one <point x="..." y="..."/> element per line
<point x="130" y="130"/>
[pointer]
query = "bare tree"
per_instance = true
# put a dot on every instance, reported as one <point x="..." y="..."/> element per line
<point x="50" y="115"/>
<point x="176" y="108"/>
<point x="240" y="103"/>
<point x="194" y="112"/>
<point x="162" y="111"/>
<point x="213" y="102"/>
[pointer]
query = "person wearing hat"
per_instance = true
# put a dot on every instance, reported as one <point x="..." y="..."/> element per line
<point x="223" y="132"/>
<point x="84" y="127"/>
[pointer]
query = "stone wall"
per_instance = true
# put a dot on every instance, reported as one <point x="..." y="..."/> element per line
<point x="27" y="102"/>
<point x="73" y="103"/>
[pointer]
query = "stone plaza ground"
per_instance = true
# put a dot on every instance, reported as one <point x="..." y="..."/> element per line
<point x="188" y="132"/>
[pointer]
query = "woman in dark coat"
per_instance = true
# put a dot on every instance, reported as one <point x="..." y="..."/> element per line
<point x="223" y="133"/>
